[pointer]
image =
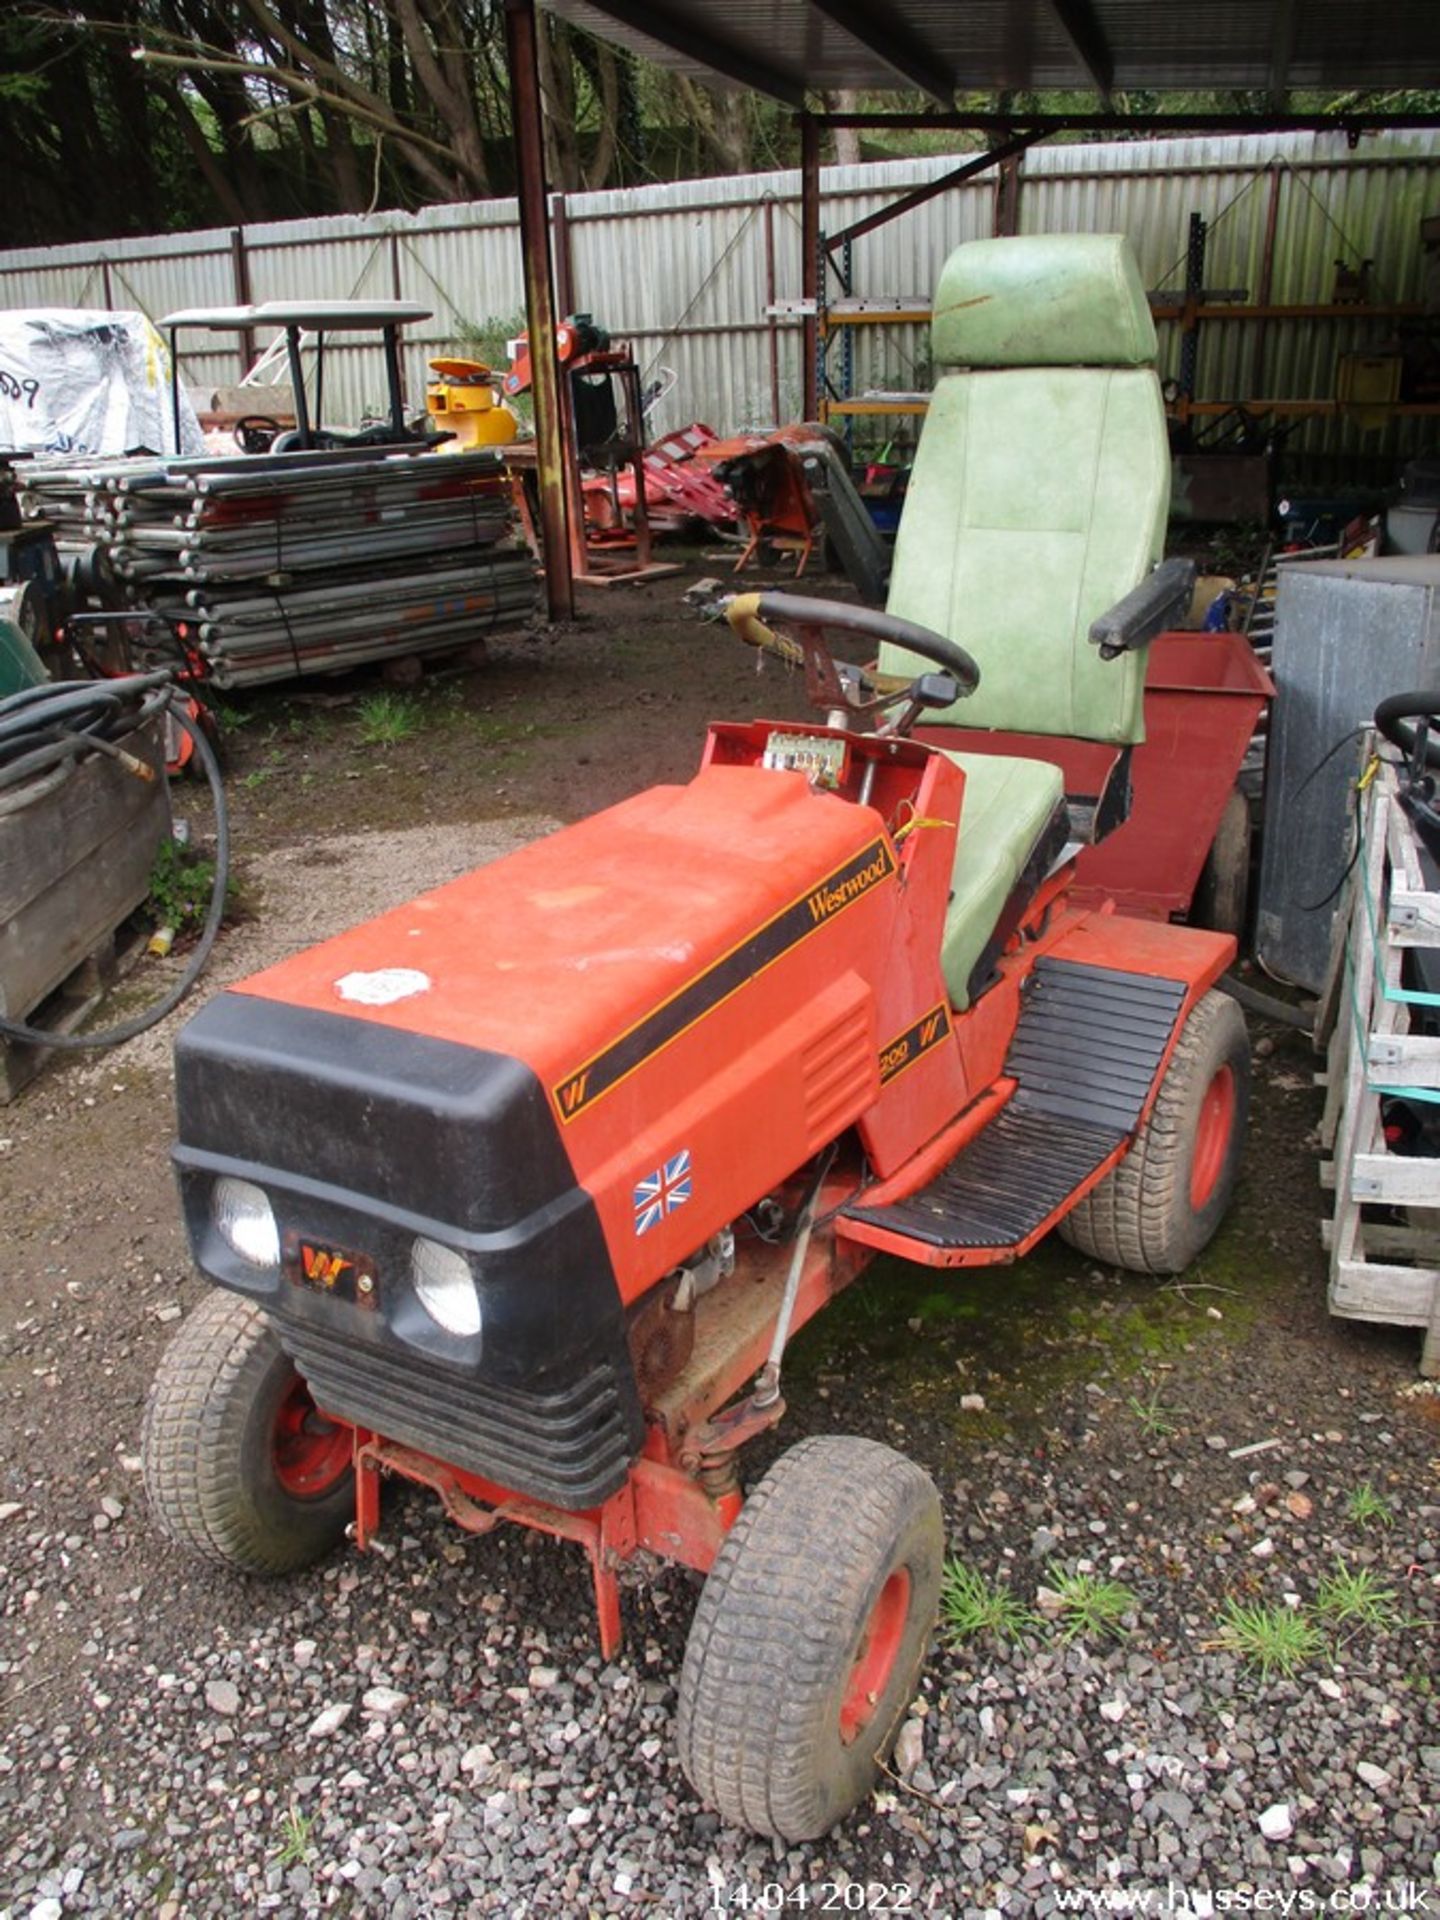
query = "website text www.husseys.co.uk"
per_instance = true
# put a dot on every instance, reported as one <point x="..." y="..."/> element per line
<point x="1397" y="1897"/>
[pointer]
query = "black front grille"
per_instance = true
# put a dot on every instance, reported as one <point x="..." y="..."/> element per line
<point x="572" y="1448"/>
<point x="366" y="1137"/>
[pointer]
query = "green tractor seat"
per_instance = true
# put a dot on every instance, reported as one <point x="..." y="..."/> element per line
<point x="1013" y="827"/>
<point x="1041" y="484"/>
<point x="1031" y="534"/>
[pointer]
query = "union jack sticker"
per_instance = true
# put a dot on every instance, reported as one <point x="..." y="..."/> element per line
<point x="661" y="1192"/>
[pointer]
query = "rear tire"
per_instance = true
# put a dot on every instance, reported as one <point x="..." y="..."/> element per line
<point x="1164" y="1202"/>
<point x="1222" y="893"/>
<point x="809" y="1636"/>
<point x="239" y="1466"/>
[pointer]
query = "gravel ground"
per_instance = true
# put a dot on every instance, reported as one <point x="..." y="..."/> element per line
<point x="430" y="1731"/>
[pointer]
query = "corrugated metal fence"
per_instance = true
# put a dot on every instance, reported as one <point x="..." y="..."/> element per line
<point x="686" y="270"/>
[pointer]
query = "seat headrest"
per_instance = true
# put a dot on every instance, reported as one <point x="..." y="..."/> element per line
<point x="1043" y="300"/>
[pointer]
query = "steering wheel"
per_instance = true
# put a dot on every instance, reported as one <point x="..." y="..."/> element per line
<point x="255" y="432"/>
<point x="835" y="685"/>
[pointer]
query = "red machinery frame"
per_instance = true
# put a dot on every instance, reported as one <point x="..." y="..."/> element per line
<point x="682" y="1493"/>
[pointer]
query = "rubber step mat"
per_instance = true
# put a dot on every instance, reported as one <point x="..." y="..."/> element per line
<point x="1085" y="1054"/>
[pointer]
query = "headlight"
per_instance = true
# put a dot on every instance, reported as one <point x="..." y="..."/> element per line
<point x="446" y="1286"/>
<point x="246" y="1221"/>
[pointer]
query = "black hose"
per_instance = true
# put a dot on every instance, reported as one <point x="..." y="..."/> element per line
<point x="144" y="686"/>
<point x="1393" y="715"/>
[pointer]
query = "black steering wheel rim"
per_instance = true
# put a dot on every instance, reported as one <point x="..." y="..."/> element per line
<point x="251" y="426"/>
<point x="798" y="610"/>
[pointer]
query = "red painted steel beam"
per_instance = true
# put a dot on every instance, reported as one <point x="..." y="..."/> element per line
<point x="520" y="48"/>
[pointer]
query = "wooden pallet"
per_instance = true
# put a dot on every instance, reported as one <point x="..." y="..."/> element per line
<point x="1383" y="1235"/>
<point x="74" y="865"/>
<point x="72" y="1002"/>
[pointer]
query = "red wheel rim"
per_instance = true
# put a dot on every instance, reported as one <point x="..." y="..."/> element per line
<point x="875" y="1660"/>
<point x="310" y="1454"/>
<point x="1212" y="1137"/>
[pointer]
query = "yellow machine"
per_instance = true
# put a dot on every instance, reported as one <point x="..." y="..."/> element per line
<point x="464" y="400"/>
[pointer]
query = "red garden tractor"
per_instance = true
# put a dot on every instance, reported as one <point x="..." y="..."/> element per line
<point x="518" y="1192"/>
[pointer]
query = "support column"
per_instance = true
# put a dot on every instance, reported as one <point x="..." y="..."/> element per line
<point x="520" y="47"/>
<point x="810" y="266"/>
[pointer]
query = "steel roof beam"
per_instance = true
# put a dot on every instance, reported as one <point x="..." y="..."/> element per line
<point x="1352" y="123"/>
<point x="1282" y="50"/>
<point x="885" y="36"/>
<point x="671" y="30"/>
<point x="1088" y="42"/>
<point x="919" y="195"/>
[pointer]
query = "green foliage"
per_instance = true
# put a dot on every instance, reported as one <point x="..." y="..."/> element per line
<point x="295" y="1828"/>
<point x="1356" y="1598"/>
<point x="387" y="718"/>
<point x="1278" y="1639"/>
<point x="1153" y="1420"/>
<point x="972" y="1604"/>
<point x="488" y="339"/>
<point x="1369" y="1508"/>
<point x="181" y="883"/>
<point x="1091" y="1607"/>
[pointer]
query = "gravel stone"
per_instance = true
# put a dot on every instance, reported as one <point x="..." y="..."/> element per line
<point x="222" y="1696"/>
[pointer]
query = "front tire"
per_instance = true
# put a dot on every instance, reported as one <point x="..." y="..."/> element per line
<point x="809" y="1637"/>
<point x="239" y="1465"/>
<point x="1163" y="1204"/>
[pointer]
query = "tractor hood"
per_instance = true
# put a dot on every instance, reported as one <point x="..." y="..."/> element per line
<point x="561" y="953"/>
<point x="689" y="978"/>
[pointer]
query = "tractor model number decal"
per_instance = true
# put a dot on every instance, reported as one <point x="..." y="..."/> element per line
<point x="662" y="1191"/>
<point x="813" y="909"/>
<point x="906" y="1048"/>
<point x="321" y="1267"/>
<point x="330" y="1270"/>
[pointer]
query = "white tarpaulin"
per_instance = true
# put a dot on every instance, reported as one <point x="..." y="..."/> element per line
<point x="73" y="381"/>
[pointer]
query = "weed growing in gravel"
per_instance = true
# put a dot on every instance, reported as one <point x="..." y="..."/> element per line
<point x="294" y="1838"/>
<point x="1355" y="1599"/>
<point x="387" y="718"/>
<point x="181" y="882"/>
<point x="1369" y="1508"/>
<point x="1276" y="1639"/>
<point x="1090" y="1605"/>
<point x="971" y="1604"/>
<point x="1155" y="1423"/>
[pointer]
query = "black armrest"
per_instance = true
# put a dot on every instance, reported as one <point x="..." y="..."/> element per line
<point x="1161" y="599"/>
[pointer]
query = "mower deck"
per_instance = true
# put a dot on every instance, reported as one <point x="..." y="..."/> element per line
<point x="1084" y="1058"/>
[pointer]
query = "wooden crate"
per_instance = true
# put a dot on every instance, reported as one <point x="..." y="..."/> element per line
<point x="1383" y="1234"/>
<point x="73" y="868"/>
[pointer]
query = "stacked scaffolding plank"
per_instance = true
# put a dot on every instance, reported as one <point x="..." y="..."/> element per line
<point x="306" y="562"/>
<point x="1383" y="1235"/>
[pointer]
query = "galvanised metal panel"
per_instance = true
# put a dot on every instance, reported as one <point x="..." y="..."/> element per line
<point x="1347" y="633"/>
<point x="681" y="267"/>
